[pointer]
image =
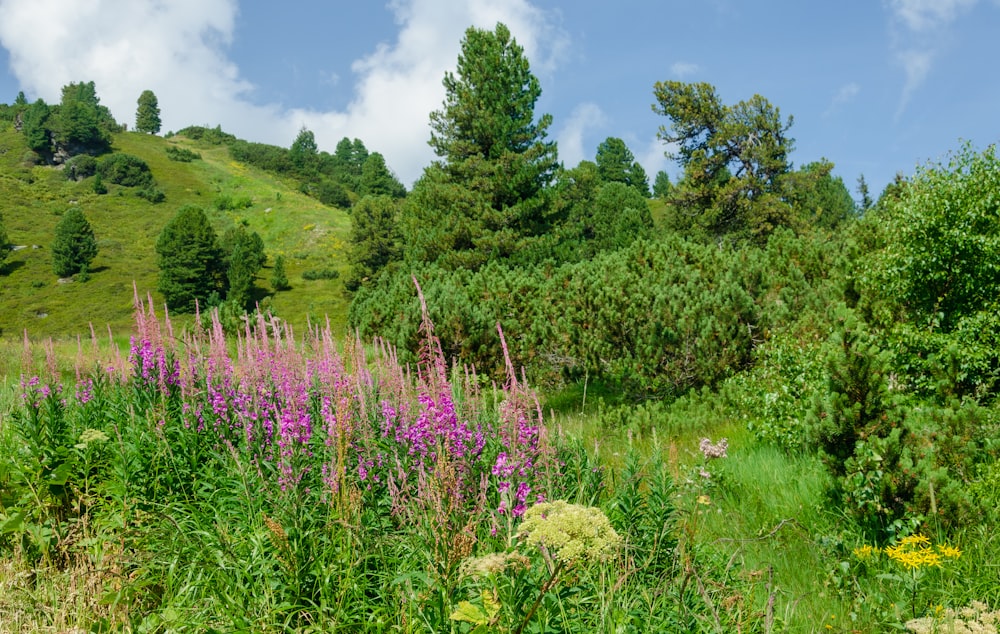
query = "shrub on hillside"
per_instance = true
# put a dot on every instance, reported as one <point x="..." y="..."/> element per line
<point x="80" y="167"/>
<point x="228" y="202"/>
<point x="213" y="136"/>
<point x="125" y="169"/>
<point x="181" y="155"/>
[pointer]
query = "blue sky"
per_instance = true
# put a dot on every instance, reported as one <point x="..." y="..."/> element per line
<point x="877" y="87"/>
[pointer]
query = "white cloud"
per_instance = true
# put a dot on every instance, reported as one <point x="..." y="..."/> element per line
<point x="846" y="94"/>
<point x="653" y="157"/>
<point x="916" y="65"/>
<point x="178" y="50"/>
<point x="680" y="70"/>
<point x="570" y="138"/>
<point x="916" y="35"/>
<point x="922" y="15"/>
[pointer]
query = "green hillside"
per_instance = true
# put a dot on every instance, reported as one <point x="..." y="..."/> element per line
<point x="308" y="234"/>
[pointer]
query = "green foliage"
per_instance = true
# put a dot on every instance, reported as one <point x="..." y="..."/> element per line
<point x="4" y="243"/>
<point x="616" y="164"/>
<point x="74" y="246"/>
<point x="211" y="136"/>
<point x="818" y="198"/>
<point x="377" y="180"/>
<point x="125" y="170"/>
<point x="99" y="187"/>
<point x="81" y="123"/>
<point x="272" y="158"/>
<point x="655" y="317"/>
<point x="865" y="201"/>
<point x="229" y="202"/>
<point x="485" y="199"/>
<point x="147" y="115"/>
<point x="304" y="152"/>
<point x="733" y="157"/>
<point x="279" y="280"/>
<point x="80" y="167"/>
<point x="329" y="193"/>
<point x="321" y="274"/>
<point x="181" y="155"/>
<point x="933" y="278"/>
<point x="346" y="162"/>
<point x="244" y="258"/>
<point x="152" y="194"/>
<point x="618" y="216"/>
<point x="375" y="240"/>
<point x="942" y="243"/>
<point x="35" y="127"/>
<point x="661" y="185"/>
<point x="191" y="263"/>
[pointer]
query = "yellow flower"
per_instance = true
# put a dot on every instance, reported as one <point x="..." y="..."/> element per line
<point x="914" y="540"/>
<point x="948" y="551"/>
<point x="916" y="552"/>
<point x="865" y="552"/>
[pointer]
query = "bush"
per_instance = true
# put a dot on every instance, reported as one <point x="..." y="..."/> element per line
<point x="152" y="194"/>
<point x="80" y="167"/>
<point x="213" y="136"/>
<point x="181" y="155"/>
<point x="321" y="274"/>
<point x="125" y="170"/>
<point x="228" y="202"/>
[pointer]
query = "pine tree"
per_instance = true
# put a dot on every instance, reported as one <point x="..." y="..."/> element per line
<point x="661" y="185"/>
<point x="865" y="201"/>
<point x="279" y="280"/>
<point x="147" y="116"/>
<point x="617" y="164"/>
<point x="485" y="199"/>
<point x="241" y="274"/>
<point x="75" y="246"/>
<point x="377" y="180"/>
<point x="374" y="239"/>
<point x="4" y="243"/>
<point x="244" y="258"/>
<point x="190" y="260"/>
<point x="304" y="151"/>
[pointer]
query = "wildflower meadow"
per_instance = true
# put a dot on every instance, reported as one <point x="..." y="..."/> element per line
<point x="267" y="481"/>
<point x="274" y="482"/>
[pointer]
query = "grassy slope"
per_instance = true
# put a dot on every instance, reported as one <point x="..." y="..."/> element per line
<point x="308" y="234"/>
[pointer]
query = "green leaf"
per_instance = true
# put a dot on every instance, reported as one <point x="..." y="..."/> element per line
<point x="60" y="474"/>
<point x="469" y="613"/>
<point x="13" y="523"/>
